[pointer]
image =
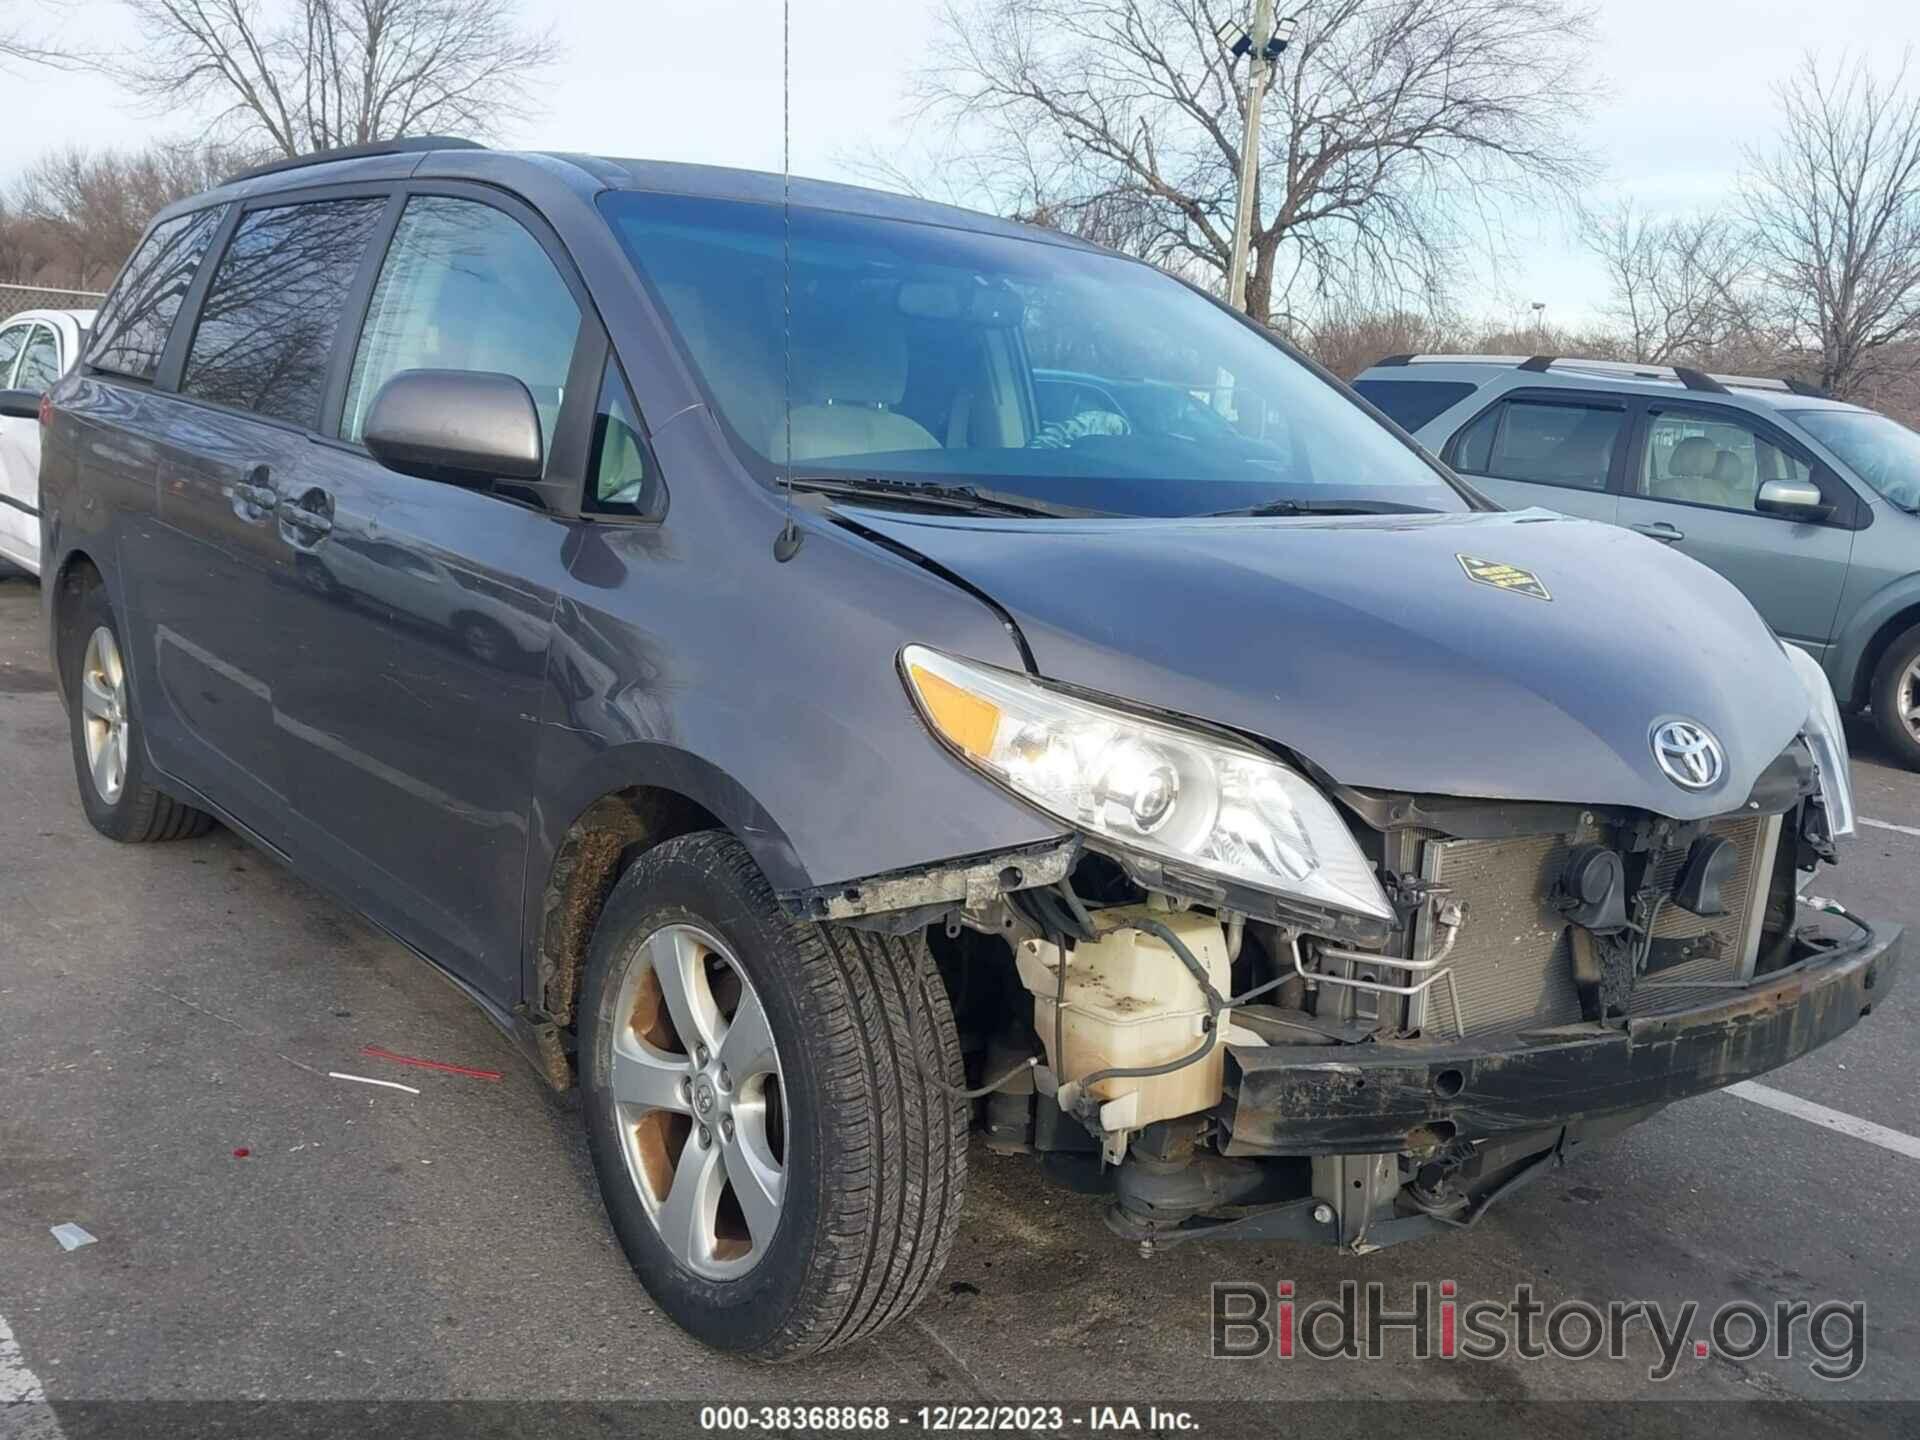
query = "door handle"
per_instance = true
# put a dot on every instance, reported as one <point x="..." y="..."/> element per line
<point x="255" y="490"/>
<point x="1661" y="531"/>
<point x="311" y="515"/>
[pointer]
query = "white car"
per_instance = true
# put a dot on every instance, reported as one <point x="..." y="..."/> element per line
<point x="37" y="347"/>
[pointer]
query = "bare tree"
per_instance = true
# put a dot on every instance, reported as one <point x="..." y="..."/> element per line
<point x="1399" y="125"/>
<point x="75" y="214"/>
<point x="295" y="76"/>
<point x="20" y="43"/>
<point x="1834" y="217"/>
<point x="1684" y="287"/>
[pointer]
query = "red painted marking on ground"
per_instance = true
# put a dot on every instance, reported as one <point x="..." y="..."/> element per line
<point x="381" y="1053"/>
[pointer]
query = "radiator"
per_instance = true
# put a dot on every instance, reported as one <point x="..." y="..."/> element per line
<point x="1512" y="969"/>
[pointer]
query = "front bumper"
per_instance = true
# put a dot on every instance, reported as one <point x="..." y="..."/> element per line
<point x="1393" y="1096"/>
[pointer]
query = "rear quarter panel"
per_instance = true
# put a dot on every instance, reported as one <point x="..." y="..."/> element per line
<point x="97" y="467"/>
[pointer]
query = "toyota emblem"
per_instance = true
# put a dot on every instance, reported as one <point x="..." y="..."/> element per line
<point x="1688" y="754"/>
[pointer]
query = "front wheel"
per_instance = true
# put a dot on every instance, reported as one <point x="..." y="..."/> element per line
<point x="1896" y="698"/>
<point x="770" y="1106"/>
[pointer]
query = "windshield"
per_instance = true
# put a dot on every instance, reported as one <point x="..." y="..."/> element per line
<point x="1882" y="452"/>
<point x="1080" y="380"/>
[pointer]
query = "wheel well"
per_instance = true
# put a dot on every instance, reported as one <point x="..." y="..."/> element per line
<point x="78" y="574"/>
<point x="609" y="835"/>
<point x="1876" y="651"/>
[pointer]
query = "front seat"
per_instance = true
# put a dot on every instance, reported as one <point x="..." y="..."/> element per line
<point x="1733" y="473"/>
<point x="845" y="389"/>
<point x="1690" y="473"/>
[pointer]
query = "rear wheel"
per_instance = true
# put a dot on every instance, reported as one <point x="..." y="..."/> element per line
<point x="1896" y="698"/>
<point x="766" y="1108"/>
<point x="108" y="759"/>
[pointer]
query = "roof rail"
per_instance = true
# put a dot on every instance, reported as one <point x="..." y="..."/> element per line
<point x="407" y="145"/>
<point x="1698" y="380"/>
<point x="1623" y="369"/>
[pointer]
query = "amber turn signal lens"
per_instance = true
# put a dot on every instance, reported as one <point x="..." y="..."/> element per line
<point x="964" y="718"/>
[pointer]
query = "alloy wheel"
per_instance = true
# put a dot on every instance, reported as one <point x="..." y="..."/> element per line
<point x="1907" y="696"/>
<point x="699" y="1101"/>
<point x="106" y="723"/>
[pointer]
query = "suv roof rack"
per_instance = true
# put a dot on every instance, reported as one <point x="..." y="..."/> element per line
<point x="407" y="145"/>
<point x="1619" y="370"/>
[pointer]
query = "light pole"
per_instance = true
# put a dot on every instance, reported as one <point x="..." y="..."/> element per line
<point x="1540" y="323"/>
<point x="1264" y="46"/>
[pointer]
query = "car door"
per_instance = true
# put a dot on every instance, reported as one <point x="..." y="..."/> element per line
<point x="1695" y="472"/>
<point x="42" y="359"/>
<point x="1559" y="449"/>
<point x="247" y="396"/>
<point x="19" y="459"/>
<point x="416" y="636"/>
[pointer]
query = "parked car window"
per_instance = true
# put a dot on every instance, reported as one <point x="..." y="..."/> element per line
<point x="465" y="287"/>
<point x="1412" y="403"/>
<point x="1711" y="461"/>
<point x="1032" y="368"/>
<point x="622" y="481"/>
<point x="1882" y="452"/>
<point x="131" y="332"/>
<point x="40" y="361"/>
<point x="266" y="330"/>
<point x="1544" y="442"/>
<point x="12" y="340"/>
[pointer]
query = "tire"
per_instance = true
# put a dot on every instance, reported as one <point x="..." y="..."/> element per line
<point x="133" y="811"/>
<point x="1894" y="682"/>
<point x="873" y="1150"/>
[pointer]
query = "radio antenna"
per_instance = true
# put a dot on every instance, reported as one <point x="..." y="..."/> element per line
<point x="787" y="543"/>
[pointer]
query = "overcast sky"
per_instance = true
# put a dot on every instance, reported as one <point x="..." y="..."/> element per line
<point x="1689" y="82"/>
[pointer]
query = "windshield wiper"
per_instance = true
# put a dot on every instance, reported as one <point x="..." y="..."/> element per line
<point x="1324" y="507"/>
<point x="967" y="499"/>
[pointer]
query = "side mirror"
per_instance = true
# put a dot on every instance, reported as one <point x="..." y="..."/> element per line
<point x="20" y="404"/>
<point x="466" y="427"/>
<point x="1792" y="500"/>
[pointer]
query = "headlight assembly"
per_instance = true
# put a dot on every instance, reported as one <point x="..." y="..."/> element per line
<point x="1146" y="786"/>
<point x="1827" y="741"/>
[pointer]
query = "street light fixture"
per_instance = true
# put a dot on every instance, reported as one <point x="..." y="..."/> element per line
<point x="1234" y="38"/>
<point x="1281" y="38"/>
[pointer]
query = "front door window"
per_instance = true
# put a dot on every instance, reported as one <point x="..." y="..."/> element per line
<point x="1711" y="460"/>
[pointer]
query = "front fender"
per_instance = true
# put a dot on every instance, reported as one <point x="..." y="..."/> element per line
<point x="1846" y="662"/>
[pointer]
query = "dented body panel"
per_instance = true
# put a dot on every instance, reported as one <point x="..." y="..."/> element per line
<point x="1364" y="646"/>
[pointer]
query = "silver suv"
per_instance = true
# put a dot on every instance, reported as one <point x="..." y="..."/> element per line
<point x="1807" y="504"/>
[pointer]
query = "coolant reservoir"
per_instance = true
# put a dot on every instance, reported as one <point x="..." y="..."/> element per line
<point x="1131" y="1003"/>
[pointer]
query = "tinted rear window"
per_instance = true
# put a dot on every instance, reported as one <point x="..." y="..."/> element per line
<point x="266" y="330"/>
<point x="1412" y="403"/>
<point x="131" y="332"/>
<point x="1544" y="442"/>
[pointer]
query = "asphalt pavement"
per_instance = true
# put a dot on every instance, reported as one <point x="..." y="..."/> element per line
<point x="165" y="1008"/>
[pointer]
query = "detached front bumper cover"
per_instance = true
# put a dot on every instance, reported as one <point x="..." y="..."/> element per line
<point x="1310" y="1100"/>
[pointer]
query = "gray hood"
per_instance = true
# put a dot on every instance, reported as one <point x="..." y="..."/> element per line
<point x="1365" y="646"/>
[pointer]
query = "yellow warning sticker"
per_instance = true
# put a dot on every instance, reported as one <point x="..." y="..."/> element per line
<point x="1503" y="577"/>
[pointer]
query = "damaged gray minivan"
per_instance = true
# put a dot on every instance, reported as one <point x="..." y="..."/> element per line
<point x="1103" y="730"/>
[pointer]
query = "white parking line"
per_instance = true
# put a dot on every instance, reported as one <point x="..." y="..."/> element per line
<point x="1888" y="825"/>
<point x="24" y="1411"/>
<point x="1846" y="1124"/>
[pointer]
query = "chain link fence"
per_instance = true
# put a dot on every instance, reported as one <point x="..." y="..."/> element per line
<point x="15" y="298"/>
